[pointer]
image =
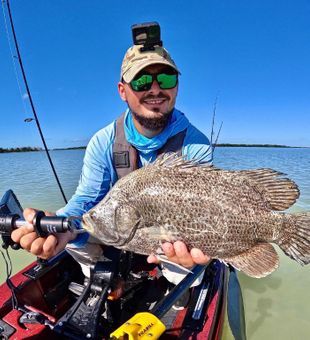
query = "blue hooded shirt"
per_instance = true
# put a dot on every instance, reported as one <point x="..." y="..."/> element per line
<point x="98" y="173"/>
<point x="177" y="123"/>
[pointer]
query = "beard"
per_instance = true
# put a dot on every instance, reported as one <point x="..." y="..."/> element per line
<point x="153" y="123"/>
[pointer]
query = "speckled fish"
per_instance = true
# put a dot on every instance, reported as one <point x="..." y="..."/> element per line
<point x="230" y="215"/>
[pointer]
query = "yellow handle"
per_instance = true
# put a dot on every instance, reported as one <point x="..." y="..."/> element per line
<point x="142" y="326"/>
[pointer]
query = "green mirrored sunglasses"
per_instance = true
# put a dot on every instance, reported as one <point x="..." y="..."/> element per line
<point x="143" y="82"/>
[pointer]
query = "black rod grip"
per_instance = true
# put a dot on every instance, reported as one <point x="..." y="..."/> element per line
<point x="45" y="225"/>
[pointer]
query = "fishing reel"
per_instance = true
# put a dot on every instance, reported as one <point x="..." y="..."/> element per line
<point x="146" y="34"/>
<point x="10" y="211"/>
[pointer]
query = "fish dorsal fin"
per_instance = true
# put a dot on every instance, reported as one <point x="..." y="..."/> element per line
<point x="173" y="160"/>
<point x="259" y="261"/>
<point x="279" y="191"/>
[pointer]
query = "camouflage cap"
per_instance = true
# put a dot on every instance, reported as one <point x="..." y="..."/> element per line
<point x="135" y="60"/>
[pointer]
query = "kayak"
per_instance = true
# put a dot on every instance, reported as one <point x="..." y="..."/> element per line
<point x="44" y="299"/>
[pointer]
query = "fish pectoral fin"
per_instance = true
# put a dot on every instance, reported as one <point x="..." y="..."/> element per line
<point x="259" y="261"/>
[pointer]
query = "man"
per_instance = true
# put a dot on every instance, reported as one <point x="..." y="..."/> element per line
<point x="149" y="86"/>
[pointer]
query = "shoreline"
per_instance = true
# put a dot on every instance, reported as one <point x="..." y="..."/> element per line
<point x="220" y="145"/>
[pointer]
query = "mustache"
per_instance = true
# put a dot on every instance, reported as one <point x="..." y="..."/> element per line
<point x="150" y="96"/>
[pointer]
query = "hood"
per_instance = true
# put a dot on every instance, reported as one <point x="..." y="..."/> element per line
<point x="177" y="123"/>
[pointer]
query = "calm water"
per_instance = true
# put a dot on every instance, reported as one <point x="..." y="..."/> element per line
<point x="277" y="307"/>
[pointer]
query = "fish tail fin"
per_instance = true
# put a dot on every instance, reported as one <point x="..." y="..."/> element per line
<point x="295" y="240"/>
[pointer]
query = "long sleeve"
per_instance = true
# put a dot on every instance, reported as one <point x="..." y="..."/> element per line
<point x="96" y="178"/>
<point x="197" y="146"/>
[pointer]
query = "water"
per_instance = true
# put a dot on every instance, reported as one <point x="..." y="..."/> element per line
<point x="30" y="176"/>
<point x="277" y="307"/>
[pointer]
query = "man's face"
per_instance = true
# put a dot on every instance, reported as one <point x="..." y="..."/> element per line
<point x="152" y="108"/>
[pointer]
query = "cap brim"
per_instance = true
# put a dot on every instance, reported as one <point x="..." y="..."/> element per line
<point x="131" y="73"/>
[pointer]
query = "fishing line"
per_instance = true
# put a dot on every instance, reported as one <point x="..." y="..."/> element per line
<point x="8" y="266"/>
<point x="13" y="59"/>
<point x="18" y="57"/>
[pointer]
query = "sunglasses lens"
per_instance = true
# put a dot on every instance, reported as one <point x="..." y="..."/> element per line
<point x="143" y="83"/>
<point x="167" y="81"/>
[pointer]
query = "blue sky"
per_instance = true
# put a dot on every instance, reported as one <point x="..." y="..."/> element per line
<point x="253" y="55"/>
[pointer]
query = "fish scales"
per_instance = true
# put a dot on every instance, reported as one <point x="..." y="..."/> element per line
<point x="230" y="215"/>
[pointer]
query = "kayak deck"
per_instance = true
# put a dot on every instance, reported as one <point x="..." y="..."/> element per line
<point x="44" y="290"/>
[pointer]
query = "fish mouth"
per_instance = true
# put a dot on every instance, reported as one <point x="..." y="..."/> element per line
<point x="88" y="224"/>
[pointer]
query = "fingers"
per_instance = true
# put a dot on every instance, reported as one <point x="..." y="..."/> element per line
<point x="49" y="247"/>
<point x="39" y="246"/>
<point x="169" y="252"/>
<point x="178" y="253"/>
<point x="199" y="257"/>
<point x="152" y="259"/>
<point x="30" y="241"/>
<point x="27" y="239"/>
<point x="182" y="254"/>
<point x="29" y="214"/>
<point x="25" y="235"/>
<point x="168" y="249"/>
<point x="17" y="234"/>
<point x="36" y="246"/>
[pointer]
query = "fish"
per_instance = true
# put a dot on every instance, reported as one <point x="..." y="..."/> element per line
<point x="234" y="216"/>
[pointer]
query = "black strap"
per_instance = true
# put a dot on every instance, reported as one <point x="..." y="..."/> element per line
<point x="125" y="156"/>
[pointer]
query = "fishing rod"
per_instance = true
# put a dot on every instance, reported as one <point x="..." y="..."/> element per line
<point x="30" y="99"/>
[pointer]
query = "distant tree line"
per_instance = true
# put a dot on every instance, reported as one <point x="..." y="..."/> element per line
<point x="21" y="149"/>
<point x="72" y="148"/>
<point x="254" y="145"/>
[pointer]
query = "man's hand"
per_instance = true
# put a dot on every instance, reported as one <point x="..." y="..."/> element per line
<point x="178" y="253"/>
<point x="39" y="246"/>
